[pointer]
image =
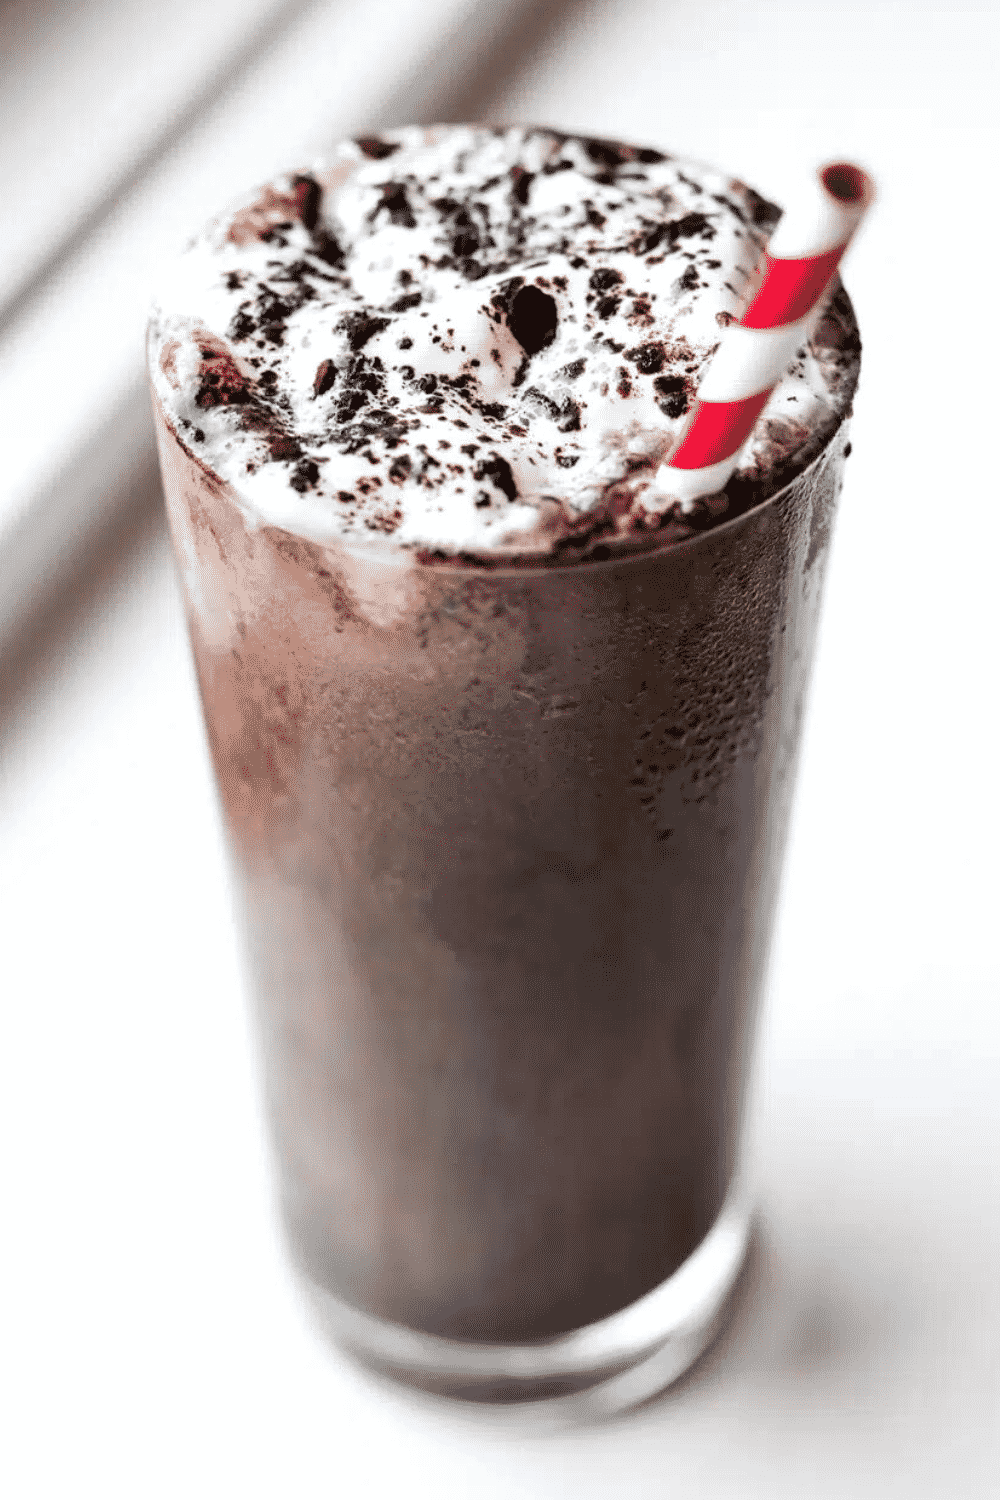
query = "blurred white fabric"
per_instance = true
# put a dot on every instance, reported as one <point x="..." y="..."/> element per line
<point x="152" y="1342"/>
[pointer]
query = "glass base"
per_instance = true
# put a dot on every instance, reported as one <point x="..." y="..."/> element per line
<point x="595" y="1371"/>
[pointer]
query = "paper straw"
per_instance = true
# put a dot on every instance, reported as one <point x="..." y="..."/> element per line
<point x="799" y="265"/>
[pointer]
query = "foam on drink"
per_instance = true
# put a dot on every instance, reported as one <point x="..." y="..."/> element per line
<point x="477" y="343"/>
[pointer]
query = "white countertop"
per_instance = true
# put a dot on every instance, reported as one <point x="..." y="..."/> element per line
<point x="152" y="1344"/>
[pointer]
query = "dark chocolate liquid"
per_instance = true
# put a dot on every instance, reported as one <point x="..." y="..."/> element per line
<point x="508" y="862"/>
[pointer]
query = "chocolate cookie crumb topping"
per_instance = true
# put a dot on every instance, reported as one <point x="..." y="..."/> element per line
<point x="502" y="328"/>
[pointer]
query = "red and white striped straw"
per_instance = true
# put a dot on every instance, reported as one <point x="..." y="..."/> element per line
<point x="799" y="265"/>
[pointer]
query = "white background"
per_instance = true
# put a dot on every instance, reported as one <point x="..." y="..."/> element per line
<point x="151" y="1343"/>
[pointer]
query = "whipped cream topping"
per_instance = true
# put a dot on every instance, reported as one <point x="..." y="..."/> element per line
<point x="468" y="340"/>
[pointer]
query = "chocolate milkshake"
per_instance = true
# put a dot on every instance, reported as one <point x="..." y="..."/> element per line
<point x="504" y="733"/>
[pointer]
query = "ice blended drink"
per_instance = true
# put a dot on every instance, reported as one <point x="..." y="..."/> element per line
<point x="504" y="733"/>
